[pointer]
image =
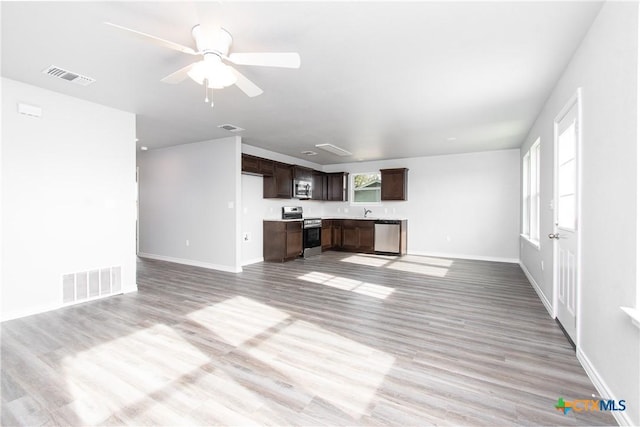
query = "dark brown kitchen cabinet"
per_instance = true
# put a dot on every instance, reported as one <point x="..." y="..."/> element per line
<point x="358" y="235"/>
<point x="282" y="240"/>
<point x="394" y="184"/>
<point x="256" y="165"/>
<point x="319" y="191"/>
<point x="326" y="235"/>
<point x="336" y="234"/>
<point x="337" y="188"/>
<point x="301" y="173"/>
<point x="279" y="185"/>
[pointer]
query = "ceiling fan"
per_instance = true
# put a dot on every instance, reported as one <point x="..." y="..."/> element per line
<point x="213" y="45"/>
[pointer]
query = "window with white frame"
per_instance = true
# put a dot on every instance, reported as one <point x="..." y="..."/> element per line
<point x="531" y="193"/>
<point x="366" y="188"/>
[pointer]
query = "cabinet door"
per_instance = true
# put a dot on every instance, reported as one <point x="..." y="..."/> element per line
<point x="337" y="187"/>
<point x="284" y="183"/>
<point x="274" y="241"/>
<point x="336" y="234"/>
<point x="302" y="173"/>
<point x="250" y="164"/>
<point x="326" y="236"/>
<point x="319" y="191"/>
<point x="394" y="184"/>
<point x="365" y="236"/>
<point x="266" y="167"/>
<point x="349" y="235"/>
<point x="294" y="239"/>
<point x="280" y="184"/>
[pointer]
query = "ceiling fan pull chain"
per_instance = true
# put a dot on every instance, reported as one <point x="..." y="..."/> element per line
<point x="206" y="91"/>
<point x="211" y="97"/>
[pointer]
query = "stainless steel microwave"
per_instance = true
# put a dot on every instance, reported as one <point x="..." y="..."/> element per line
<point x="302" y="189"/>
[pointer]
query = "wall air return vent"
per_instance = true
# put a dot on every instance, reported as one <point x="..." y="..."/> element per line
<point x="335" y="150"/>
<point x="92" y="284"/>
<point x="69" y="76"/>
<point x="230" y="128"/>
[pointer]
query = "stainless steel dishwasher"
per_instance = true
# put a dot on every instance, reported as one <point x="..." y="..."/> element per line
<point x="387" y="236"/>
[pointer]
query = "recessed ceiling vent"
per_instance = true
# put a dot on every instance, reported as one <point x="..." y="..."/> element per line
<point x="335" y="150"/>
<point x="231" y="128"/>
<point x="63" y="74"/>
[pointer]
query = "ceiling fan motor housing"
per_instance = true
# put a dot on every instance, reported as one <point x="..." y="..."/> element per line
<point x="218" y="43"/>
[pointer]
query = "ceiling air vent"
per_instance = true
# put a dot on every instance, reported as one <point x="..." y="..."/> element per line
<point x="333" y="149"/>
<point x="68" y="76"/>
<point x="230" y="128"/>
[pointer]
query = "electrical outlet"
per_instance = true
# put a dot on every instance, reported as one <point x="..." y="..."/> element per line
<point x="186" y="243"/>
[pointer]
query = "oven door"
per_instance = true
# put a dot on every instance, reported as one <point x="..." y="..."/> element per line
<point x="312" y="241"/>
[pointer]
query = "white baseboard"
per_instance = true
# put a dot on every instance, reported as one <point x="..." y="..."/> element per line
<point x="252" y="261"/>
<point x="547" y="304"/>
<point x="622" y="418"/>
<point x="464" y="256"/>
<point x="191" y="262"/>
<point x="17" y="314"/>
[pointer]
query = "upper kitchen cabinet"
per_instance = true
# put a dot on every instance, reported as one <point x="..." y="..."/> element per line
<point x="337" y="190"/>
<point x="256" y="165"/>
<point x="394" y="184"/>
<point x="301" y="173"/>
<point x="279" y="185"/>
<point x="319" y="186"/>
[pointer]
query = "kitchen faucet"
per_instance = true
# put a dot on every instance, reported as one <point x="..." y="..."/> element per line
<point x="366" y="211"/>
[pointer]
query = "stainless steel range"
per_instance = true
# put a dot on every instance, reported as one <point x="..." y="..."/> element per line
<point x="311" y="230"/>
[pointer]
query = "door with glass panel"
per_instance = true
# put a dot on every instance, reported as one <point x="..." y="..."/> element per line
<point x="567" y="203"/>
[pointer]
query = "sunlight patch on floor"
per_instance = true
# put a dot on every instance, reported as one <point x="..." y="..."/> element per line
<point x="367" y="260"/>
<point x="363" y="288"/>
<point x="94" y="376"/>
<point x="238" y="319"/>
<point x="341" y="371"/>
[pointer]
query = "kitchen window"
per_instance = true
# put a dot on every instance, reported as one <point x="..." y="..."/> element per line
<point x="531" y="194"/>
<point x="365" y="188"/>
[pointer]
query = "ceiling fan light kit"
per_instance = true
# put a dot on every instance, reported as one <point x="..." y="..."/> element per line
<point x="212" y="71"/>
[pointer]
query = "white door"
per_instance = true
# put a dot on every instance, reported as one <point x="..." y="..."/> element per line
<point x="566" y="231"/>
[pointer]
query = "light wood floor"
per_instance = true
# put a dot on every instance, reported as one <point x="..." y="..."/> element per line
<point x="337" y="339"/>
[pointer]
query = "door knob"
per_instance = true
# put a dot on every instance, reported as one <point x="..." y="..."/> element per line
<point x="554" y="236"/>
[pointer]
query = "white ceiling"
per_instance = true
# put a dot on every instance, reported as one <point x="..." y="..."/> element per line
<point x="380" y="79"/>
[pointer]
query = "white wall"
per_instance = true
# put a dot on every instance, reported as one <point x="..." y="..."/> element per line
<point x="463" y="205"/>
<point x="606" y="67"/>
<point x="68" y="196"/>
<point x="192" y="192"/>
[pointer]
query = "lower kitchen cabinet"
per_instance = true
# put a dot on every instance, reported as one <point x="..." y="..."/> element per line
<point x="358" y="236"/>
<point x="282" y="240"/>
<point x="326" y="235"/>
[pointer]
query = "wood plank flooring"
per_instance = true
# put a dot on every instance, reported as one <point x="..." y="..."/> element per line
<point x="337" y="339"/>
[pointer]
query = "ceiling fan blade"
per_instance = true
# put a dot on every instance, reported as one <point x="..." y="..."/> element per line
<point x="179" y="75"/>
<point x="267" y="59"/>
<point x="246" y="85"/>
<point x="156" y="40"/>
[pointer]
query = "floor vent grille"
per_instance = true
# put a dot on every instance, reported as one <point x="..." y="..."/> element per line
<point x="92" y="284"/>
